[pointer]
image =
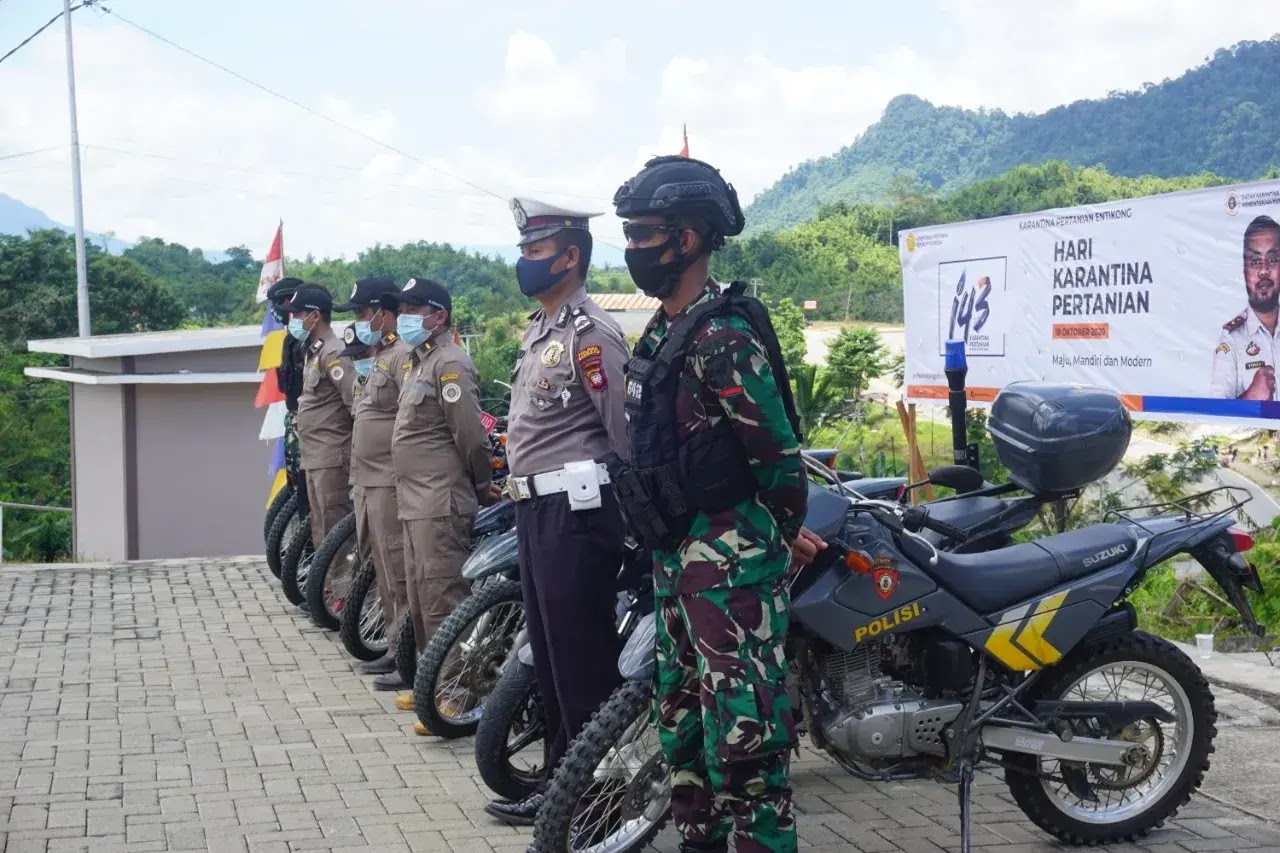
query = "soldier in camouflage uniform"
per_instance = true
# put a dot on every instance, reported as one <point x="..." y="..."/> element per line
<point x="709" y="409"/>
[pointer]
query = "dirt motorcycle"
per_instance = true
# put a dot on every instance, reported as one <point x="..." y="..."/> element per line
<point x="362" y="627"/>
<point x="464" y="657"/>
<point x="908" y="661"/>
<point x="509" y="748"/>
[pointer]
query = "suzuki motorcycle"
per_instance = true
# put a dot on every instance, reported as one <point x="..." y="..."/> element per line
<point x="908" y="661"/>
<point x="509" y="738"/>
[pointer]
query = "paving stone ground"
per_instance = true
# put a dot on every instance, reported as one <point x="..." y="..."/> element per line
<point x="185" y="706"/>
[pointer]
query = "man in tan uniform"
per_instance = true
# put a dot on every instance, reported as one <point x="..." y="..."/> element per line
<point x="381" y="362"/>
<point x="567" y="413"/>
<point x="324" y="409"/>
<point x="441" y="455"/>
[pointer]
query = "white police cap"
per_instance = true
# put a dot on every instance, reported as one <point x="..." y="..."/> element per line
<point x="538" y="220"/>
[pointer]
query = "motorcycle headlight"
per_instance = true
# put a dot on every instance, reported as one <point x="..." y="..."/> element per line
<point x="492" y="555"/>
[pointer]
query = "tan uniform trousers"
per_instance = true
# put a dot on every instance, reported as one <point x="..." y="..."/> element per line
<point x="329" y="494"/>
<point x="379" y="531"/>
<point x="434" y="551"/>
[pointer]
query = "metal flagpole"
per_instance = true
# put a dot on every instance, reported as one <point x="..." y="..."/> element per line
<point x="82" y="273"/>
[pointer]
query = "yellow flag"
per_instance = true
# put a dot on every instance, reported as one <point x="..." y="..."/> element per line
<point x="272" y="350"/>
<point x="279" y="484"/>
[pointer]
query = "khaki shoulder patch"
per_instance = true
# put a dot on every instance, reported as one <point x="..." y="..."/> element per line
<point x="334" y="363"/>
<point x="449" y="377"/>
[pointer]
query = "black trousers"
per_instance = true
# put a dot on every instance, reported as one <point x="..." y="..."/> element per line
<point x="569" y="563"/>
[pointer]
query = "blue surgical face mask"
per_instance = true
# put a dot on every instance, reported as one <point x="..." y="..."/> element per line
<point x="367" y="335"/>
<point x="409" y="326"/>
<point x="535" y="276"/>
<point x="297" y="329"/>
<point x="363" y="366"/>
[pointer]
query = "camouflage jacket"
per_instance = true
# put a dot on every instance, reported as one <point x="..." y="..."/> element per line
<point x="727" y="375"/>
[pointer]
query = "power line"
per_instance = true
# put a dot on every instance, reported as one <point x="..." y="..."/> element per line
<point x="299" y="104"/>
<point x="48" y="24"/>
<point x="25" y="153"/>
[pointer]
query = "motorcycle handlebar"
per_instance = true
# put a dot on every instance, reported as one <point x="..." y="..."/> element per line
<point x="917" y="517"/>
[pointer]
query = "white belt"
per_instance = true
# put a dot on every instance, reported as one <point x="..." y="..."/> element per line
<point x="550" y="483"/>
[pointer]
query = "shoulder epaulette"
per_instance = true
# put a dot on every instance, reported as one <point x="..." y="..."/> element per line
<point x="1234" y="323"/>
<point x="316" y="345"/>
<point x="388" y="339"/>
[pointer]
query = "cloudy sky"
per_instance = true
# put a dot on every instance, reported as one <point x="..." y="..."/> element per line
<point x="492" y="98"/>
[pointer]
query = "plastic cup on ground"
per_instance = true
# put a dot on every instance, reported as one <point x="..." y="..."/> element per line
<point x="1204" y="642"/>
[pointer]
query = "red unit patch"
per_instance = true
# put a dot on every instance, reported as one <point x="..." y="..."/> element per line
<point x="886" y="582"/>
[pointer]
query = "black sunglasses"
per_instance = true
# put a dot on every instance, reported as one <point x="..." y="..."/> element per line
<point x="639" y="232"/>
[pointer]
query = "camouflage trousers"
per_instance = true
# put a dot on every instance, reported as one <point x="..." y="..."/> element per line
<point x="724" y="718"/>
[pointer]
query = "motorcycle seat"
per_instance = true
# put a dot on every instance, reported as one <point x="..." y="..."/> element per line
<point x="994" y="580"/>
<point x="965" y="513"/>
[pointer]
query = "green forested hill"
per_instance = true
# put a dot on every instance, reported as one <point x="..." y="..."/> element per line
<point x="1221" y="117"/>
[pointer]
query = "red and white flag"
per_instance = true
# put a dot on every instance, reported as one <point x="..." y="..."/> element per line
<point x="273" y="266"/>
<point x="684" y="129"/>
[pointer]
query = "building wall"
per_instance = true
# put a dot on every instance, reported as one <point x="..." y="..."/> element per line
<point x="202" y="472"/>
<point x="239" y="360"/>
<point x="101" y="528"/>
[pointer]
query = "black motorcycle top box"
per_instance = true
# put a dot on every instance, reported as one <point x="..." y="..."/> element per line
<point x="1058" y="436"/>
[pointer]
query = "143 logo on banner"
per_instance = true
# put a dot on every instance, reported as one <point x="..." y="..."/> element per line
<point x="978" y="313"/>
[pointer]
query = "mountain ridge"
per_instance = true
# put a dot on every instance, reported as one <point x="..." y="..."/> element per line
<point x="1222" y="116"/>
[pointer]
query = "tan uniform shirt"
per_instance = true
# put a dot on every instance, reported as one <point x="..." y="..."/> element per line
<point x="378" y="401"/>
<point x="324" y="409"/>
<point x="1244" y="346"/>
<point x="440" y="449"/>
<point x="567" y="394"/>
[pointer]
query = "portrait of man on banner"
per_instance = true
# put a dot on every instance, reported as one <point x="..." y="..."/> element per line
<point x="1244" y="359"/>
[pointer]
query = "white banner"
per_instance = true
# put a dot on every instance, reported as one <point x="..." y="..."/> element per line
<point x="1168" y="300"/>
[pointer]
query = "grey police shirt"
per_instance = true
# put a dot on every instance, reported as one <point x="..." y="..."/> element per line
<point x="567" y="391"/>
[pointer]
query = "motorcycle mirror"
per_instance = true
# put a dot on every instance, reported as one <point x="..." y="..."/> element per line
<point x="962" y="478"/>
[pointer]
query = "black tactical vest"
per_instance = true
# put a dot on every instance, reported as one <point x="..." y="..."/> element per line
<point x="709" y="472"/>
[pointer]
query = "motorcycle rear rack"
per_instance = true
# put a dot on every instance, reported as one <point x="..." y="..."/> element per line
<point x="1183" y="507"/>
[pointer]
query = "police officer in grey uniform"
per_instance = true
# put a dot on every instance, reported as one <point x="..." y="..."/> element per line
<point x="381" y="362"/>
<point x="442" y="457"/>
<point x="566" y="414"/>
<point x="324" y="409"/>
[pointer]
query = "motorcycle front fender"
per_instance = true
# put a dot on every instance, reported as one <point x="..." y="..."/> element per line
<point x="638" y="656"/>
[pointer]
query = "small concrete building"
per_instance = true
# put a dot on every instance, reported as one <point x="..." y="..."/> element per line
<point x="632" y="310"/>
<point x="165" y="456"/>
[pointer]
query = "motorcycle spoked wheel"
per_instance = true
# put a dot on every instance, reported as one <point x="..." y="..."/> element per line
<point x="333" y="569"/>
<point x="612" y="789"/>
<point x="462" y="663"/>
<point x="407" y="651"/>
<point x="274" y="509"/>
<point x="512" y="722"/>
<point x="1171" y="765"/>
<point x="363" y="631"/>
<point x="296" y="562"/>
<point x="281" y="533"/>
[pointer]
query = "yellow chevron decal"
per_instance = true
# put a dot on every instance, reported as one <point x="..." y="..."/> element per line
<point x="1031" y="639"/>
<point x="1000" y="645"/>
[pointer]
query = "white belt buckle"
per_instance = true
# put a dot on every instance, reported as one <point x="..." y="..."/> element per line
<point x="518" y="488"/>
<point x="582" y="481"/>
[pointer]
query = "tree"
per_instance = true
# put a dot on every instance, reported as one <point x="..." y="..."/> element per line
<point x="38" y="300"/>
<point x="494" y="355"/>
<point x="38" y="291"/>
<point x="854" y="358"/>
<point x="818" y="400"/>
<point x="788" y="323"/>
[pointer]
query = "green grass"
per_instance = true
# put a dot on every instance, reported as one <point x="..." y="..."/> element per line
<point x="1201" y="613"/>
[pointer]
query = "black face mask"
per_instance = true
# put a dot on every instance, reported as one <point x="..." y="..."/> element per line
<point x="652" y="276"/>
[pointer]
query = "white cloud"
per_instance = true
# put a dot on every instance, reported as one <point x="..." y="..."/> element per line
<point x="204" y="159"/>
<point x="538" y="89"/>
<point x="754" y="118"/>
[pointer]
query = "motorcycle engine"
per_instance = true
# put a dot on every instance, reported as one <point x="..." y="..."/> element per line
<point x="874" y="716"/>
